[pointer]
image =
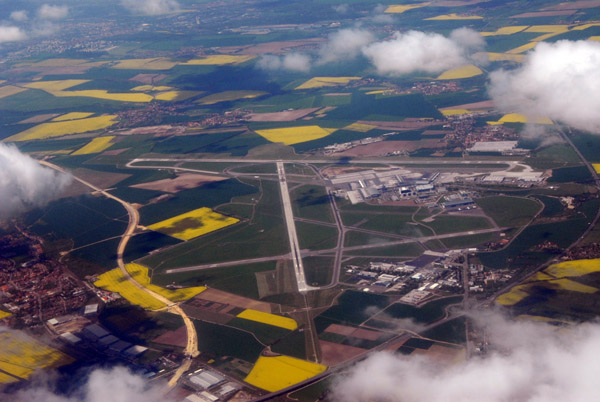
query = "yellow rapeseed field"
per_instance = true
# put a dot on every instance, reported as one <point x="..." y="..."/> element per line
<point x="157" y="63"/>
<point x="513" y="296"/>
<point x="594" y="38"/>
<point x="98" y="144"/>
<point x="219" y="60"/>
<point x="596" y="167"/>
<point x="227" y="96"/>
<point x="453" y="16"/>
<point x="175" y="95"/>
<point x="60" y="128"/>
<point x="586" y="26"/>
<point x="104" y="94"/>
<point x="505" y="30"/>
<point x="72" y="116"/>
<point x="9" y="90"/>
<point x="520" y="118"/>
<point x="267" y="318"/>
<point x="399" y="9"/>
<point x="554" y="277"/>
<point x="151" y="88"/>
<point x="547" y="28"/>
<point x="573" y="268"/>
<point x="59" y="85"/>
<point x="522" y="49"/>
<point x="454" y="112"/>
<point x="275" y="373"/>
<point x="4" y="314"/>
<point x="362" y="128"/>
<point x="460" y="72"/>
<point x="21" y="355"/>
<point x="295" y="135"/>
<point x="505" y="57"/>
<point x="320" y="82"/>
<point x="193" y="224"/>
<point x="114" y="281"/>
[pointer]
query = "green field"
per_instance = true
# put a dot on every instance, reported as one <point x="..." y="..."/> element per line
<point x="316" y="237"/>
<point x="311" y="202"/>
<point x="509" y="211"/>
<point x="444" y="224"/>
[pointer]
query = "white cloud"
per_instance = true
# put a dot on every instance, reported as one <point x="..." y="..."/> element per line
<point x="24" y="183"/>
<point x="341" y="8"/>
<point x="379" y="15"/>
<point x="117" y="384"/>
<point x="291" y="62"/>
<point x="19" y="16"/>
<point x="52" y="12"/>
<point x="534" y="362"/>
<point x="11" y="33"/>
<point x="344" y="44"/>
<point x="557" y="80"/>
<point x="426" y="52"/>
<point x="150" y="7"/>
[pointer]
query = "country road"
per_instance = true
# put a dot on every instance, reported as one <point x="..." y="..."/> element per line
<point x="191" y="349"/>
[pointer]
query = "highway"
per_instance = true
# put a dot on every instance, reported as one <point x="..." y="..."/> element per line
<point x="291" y="229"/>
<point x="191" y="349"/>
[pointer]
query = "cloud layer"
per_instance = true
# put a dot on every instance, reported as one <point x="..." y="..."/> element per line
<point x="24" y="183"/>
<point x="416" y="51"/>
<point x="52" y="12"/>
<point x="150" y="7"/>
<point x="405" y="53"/>
<point x="115" y="385"/>
<point x="534" y="362"/>
<point x="557" y="80"/>
<point x="289" y="62"/>
<point x="10" y="33"/>
<point x="44" y="23"/>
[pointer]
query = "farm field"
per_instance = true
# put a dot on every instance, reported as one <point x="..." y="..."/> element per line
<point x="228" y="96"/>
<point x="320" y="82"/>
<point x="275" y="373"/>
<point x="461" y="72"/>
<point x="114" y="281"/>
<point x="267" y="318"/>
<point x="97" y="145"/>
<point x="193" y="224"/>
<point x="62" y="128"/>
<point x="295" y="135"/>
<point x="21" y="356"/>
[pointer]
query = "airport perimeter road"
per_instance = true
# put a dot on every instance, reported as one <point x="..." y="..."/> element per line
<point x="291" y="229"/>
<point x="191" y="349"/>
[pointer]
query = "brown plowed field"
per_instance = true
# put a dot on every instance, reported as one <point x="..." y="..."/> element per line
<point x="184" y="181"/>
<point x="335" y="353"/>
<point x="174" y="338"/>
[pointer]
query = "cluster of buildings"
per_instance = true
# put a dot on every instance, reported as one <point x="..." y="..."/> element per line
<point x="396" y="184"/>
<point x="37" y="289"/>
<point x="465" y="133"/>
<point x="209" y="386"/>
<point x="331" y="149"/>
<point x="430" y="275"/>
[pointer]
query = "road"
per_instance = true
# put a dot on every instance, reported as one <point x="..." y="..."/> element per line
<point x="291" y="229"/>
<point x="191" y="349"/>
